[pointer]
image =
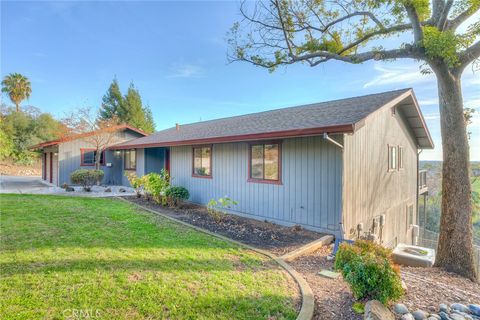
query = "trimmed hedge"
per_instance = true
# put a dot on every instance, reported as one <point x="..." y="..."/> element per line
<point x="86" y="178"/>
<point x="368" y="268"/>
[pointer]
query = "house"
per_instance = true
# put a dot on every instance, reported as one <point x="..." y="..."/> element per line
<point x="347" y="167"/>
<point x="63" y="156"/>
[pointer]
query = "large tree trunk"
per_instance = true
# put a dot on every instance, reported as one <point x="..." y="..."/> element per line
<point x="455" y="248"/>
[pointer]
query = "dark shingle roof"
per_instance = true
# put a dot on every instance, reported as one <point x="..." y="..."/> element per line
<point x="332" y="116"/>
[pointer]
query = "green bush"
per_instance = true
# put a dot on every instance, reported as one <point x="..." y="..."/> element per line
<point x="156" y="185"/>
<point x="86" y="178"/>
<point x="217" y="209"/>
<point x="368" y="268"/>
<point x="177" y="193"/>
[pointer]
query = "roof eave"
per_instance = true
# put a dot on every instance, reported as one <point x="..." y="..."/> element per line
<point x="344" y="128"/>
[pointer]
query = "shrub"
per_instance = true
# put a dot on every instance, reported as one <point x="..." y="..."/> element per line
<point x="368" y="268"/>
<point x="156" y="185"/>
<point x="86" y="178"/>
<point x="136" y="182"/>
<point x="223" y="204"/>
<point x="176" y="193"/>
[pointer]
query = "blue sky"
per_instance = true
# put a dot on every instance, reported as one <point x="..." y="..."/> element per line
<point x="175" y="53"/>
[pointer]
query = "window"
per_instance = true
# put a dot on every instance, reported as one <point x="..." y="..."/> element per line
<point x="130" y="159"/>
<point x="202" y="162"/>
<point x="87" y="157"/>
<point x="392" y="158"/>
<point x="264" y="163"/>
<point x="400" y="157"/>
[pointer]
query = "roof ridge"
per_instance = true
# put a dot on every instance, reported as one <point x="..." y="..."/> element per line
<point x="286" y="108"/>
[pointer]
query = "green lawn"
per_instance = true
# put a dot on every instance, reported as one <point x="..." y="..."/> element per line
<point x="70" y="258"/>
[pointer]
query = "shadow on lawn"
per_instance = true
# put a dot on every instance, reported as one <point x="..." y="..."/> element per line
<point x="163" y="264"/>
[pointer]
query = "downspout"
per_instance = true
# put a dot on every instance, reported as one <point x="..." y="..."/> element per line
<point x="327" y="137"/>
<point x="417" y="196"/>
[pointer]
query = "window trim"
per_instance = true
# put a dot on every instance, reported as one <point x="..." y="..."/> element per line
<point x="389" y="169"/>
<point x="400" y="163"/>
<point x="210" y="176"/>
<point x="83" y="151"/>
<point x="249" y="162"/>
<point x="125" y="162"/>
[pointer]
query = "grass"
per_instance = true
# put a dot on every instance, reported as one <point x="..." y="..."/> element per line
<point x="72" y="258"/>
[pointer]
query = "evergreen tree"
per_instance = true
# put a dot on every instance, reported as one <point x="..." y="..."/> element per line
<point x="127" y="109"/>
<point x="111" y="101"/>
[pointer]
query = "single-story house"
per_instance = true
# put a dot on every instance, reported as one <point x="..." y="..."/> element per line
<point x="347" y="167"/>
<point x="63" y="156"/>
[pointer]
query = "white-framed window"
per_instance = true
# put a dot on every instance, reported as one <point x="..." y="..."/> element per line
<point x="392" y="158"/>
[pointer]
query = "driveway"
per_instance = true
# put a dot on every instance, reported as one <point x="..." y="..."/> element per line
<point x="14" y="184"/>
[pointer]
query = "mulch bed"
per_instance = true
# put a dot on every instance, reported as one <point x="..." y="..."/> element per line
<point x="333" y="298"/>
<point x="260" y="234"/>
<point x="429" y="287"/>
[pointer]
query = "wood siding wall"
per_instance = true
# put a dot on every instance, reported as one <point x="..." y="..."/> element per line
<point x="310" y="194"/>
<point x="69" y="159"/>
<point x="369" y="189"/>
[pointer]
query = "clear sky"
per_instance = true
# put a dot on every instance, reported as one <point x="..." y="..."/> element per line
<point x="175" y="53"/>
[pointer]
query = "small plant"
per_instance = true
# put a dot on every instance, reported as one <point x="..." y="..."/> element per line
<point x="86" y="178"/>
<point x="64" y="186"/>
<point x="174" y="194"/>
<point x="358" y="308"/>
<point x="369" y="270"/>
<point x="223" y="204"/>
<point x="136" y="182"/>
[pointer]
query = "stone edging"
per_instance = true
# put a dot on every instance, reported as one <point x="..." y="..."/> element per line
<point x="306" y="311"/>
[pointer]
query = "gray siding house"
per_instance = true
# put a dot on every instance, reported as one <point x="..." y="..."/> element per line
<point x="347" y="167"/>
<point x="61" y="157"/>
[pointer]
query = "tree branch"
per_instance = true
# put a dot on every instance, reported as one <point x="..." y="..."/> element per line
<point x="437" y="8"/>
<point x="458" y="20"/>
<point x="415" y="20"/>
<point x="444" y="15"/>
<point x="469" y="55"/>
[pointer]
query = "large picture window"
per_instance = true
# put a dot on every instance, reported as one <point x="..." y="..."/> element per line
<point x="202" y="162"/>
<point x="87" y="157"/>
<point x="265" y="163"/>
<point x="130" y="159"/>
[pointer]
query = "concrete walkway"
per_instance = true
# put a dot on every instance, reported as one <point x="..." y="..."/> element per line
<point x="14" y="184"/>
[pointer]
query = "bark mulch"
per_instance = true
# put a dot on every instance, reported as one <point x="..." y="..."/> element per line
<point x="333" y="298"/>
<point x="260" y="234"/>
<point x="429" y="287"/>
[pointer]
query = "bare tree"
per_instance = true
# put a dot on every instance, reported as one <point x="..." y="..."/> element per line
<point x="283" y="32"/>
<point x="99" y="133"/>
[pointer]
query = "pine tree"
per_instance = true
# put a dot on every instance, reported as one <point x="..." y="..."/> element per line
<point x="134" y="113"/>
<point x="111" y="102"/>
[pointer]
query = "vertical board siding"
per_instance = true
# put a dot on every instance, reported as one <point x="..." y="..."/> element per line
<point x="369" y="189"/>
<point x="310" y="193"/>
<point x="69" y="159"/>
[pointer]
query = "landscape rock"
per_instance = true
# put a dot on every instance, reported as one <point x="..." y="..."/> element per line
<point x="444" y="308"/>
<point x="434" y="317"/>
<point x="122" y="190"/>
<point x="474" y="309"/>
<point x="460" y="307"/>
<point x="400" y="308"/>
<point x="444" y="316"/>
<point x="419" y="315"/>
<point x="69" y="189"/>
<point x="407" y="316"/>
<point x="108" y="190"/>
<point x="456" y="316"/>
<point x="375" y="310"/>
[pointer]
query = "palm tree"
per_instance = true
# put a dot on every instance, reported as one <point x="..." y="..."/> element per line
<point x="18" y="88"/>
